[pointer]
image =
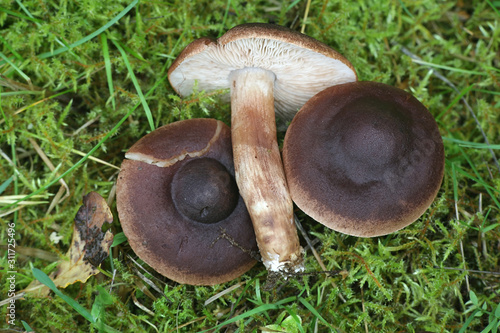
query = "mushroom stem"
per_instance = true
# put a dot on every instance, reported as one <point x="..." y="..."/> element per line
<point x="259" y="170"/>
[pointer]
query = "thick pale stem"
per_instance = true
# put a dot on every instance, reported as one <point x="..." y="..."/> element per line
<point x="259" y="170"/>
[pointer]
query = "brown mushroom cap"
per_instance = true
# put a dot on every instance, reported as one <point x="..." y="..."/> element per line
<point x="303" y="66"/>
<point x="176" y="194"/>
<point x="363" y="158"/>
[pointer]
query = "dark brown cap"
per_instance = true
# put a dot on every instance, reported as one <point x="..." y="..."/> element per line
<point x="176" y="196"/>
<point x="363" y="158"/>
<point x="302" y="65"/>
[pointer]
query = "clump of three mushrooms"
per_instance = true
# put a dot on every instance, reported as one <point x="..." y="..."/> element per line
<point x="267" y="68"/>
<point x="270" y="68"/>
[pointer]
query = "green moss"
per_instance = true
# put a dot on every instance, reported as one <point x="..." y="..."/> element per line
<point x="400" y="282"/>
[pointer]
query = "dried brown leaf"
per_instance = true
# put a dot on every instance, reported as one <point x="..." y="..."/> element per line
<point x="89" y="247"/>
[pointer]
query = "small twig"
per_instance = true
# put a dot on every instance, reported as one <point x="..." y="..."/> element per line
<point x="224" y="235"/>
<point x="140" y="306"/>
<point x="111" y="195"/>
<point x="33" y="252"/>
<point x="483" y="235"/>
<point x="112" y="281"/>
<point x="140" y="266"/>
<point x="58" y="198"/>
<point x="12" y="210"/>
<point x="177" y="327"/>
<point x="328" y="273"/>
<point x="363" y="308"/>
<point x="457" y="216"/>
<point x="222" y="293"/>
<point x="87" y="124"/>
<point x="315" y="253"/>
<point x="306" y="14"/>
<point x="151" y="284"/>
<point x="17" y="296"/>
<point x="309" y="243"/>
<point x="468" y="270"/>
<point x="48" y="95"/>
<point x="95" y="159"/>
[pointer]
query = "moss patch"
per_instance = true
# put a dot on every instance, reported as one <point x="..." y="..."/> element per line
<point x="84" y="80"/>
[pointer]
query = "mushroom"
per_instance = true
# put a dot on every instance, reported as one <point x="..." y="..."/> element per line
<point x="176" y="196"/>
<point x="363" y="158"/>
<point x="268" y="69"/>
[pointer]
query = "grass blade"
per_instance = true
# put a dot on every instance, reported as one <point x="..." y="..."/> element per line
<point x="469" y="144"/>
<point x="18" y="70"/>
<point x="92" y="35"/>
<point x="452" y="69"/>
<point x="6" y="184"/>
<point x="492" y="5"/>
<point x="296" y="318"/>
<point x="136" y="85"/>
<point x="89" y="37"/>
<point x="19" y="15"/>
<point x="118" y="239"/>
<point x="257" y="310"/>
<point x="314" y="312"/>
<point x="11" y="49"/>
<point x="45" y="279"/>
<point x="455" y="101"/>
<point x="107" y="64"/>
<point x="27" y="327"/>
<point x="97" y="146"/>
<point x="481" y="180"/>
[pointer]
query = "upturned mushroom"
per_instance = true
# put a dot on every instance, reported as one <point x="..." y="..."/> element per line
<point x="268" y="69"/>
<point x="363" y="158"/>
<point x="176" y="197"/>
